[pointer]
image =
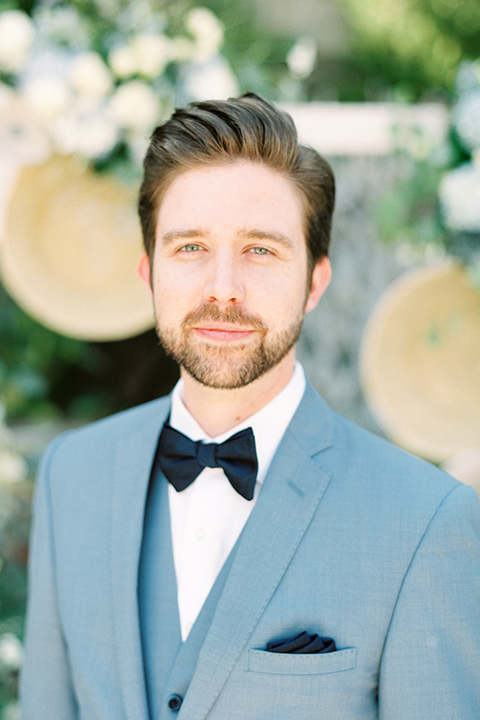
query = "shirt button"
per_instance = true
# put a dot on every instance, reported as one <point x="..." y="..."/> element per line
<point x="200" y="534"/>
<point x="175" y="702"/>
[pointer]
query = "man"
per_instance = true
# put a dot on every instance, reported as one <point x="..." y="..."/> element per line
<point x="297" y="568"/>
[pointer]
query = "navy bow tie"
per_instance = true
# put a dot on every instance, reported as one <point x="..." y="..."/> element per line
<point x="182" y="459"/>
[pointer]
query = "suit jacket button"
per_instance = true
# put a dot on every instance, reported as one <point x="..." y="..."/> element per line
<point x="175" y="702"/>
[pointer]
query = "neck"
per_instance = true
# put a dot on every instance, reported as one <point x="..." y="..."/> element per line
<point x="218" y="411"/>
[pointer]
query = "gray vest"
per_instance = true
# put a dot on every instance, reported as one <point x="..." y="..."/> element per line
<point x="169" y="664"/>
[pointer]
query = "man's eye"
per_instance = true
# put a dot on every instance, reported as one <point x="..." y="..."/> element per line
<point x="260" y="251"/>
<point x="192" y="247"/>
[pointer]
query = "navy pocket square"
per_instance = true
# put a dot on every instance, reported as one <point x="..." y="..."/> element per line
<point x="302" y="643"/>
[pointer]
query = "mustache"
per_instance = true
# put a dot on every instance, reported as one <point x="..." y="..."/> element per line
<point x="232" y="314"/>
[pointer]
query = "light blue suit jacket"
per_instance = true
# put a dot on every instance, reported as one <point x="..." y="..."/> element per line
<point x="350" y="538"/>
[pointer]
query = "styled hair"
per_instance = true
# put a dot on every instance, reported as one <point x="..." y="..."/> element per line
<point x="220" y="132"/>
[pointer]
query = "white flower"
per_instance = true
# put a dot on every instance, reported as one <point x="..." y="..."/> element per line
<point x="212" y="80"/>
<point x="207" y="31"/>
<point x="11" y="651"/>
<point x="139" y="16"/>
<point x="202" y="22"/>
<point x="459" y="195"/>
<point x="466" y="118"/>
<point x="134" y="106"/>
<point x="16" y="37"/>
<point x="47" y="96"/>
<point x="302" y="56"/>
<point x="147" y="54"/>
<point x="48" y="61"/>
<point x="62" y="25"/>
<point x="138" y="143"/>
<point x="182" y="49"/>
<point x="90" y="76"/>
<point x="13" y="469"/>
<point x="152" y="53"/>
<point x="21" y="138"/>
<point x="86" y="132"/>
<point x="468" y="77"/>
<point x="123" y="61"/>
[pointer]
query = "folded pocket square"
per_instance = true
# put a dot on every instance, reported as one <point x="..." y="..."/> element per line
<point x="302" y="643"/>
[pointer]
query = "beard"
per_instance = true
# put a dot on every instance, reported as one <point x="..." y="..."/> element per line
<point x="227" y="367"/>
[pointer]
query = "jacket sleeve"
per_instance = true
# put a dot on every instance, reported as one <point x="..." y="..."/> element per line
<point x="431" y="661"/>
<point x="46" y="691"/>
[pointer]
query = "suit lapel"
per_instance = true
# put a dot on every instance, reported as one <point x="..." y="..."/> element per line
<point x="292" y="490"/>
<point x="131" y="479"/>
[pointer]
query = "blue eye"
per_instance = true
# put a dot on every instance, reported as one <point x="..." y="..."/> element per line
<point x="190" y="248"/>
<point x="260" y="251"/>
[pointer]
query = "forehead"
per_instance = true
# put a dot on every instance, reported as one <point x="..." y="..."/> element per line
<point x="224" y="195"/>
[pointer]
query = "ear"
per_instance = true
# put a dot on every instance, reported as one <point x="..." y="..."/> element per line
<point x="143" y="271"/>
<point x="322" y="273"/>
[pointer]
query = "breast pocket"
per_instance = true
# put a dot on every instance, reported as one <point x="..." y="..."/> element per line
<point x="260" y="661"/>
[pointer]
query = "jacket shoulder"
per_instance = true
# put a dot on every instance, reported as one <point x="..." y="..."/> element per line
<point x="362" y="461"/>
<point x="391" y="475"/>
<point x="90" y="443"/>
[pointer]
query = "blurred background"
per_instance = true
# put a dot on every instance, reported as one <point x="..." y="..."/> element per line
<point x="388" y="91"/>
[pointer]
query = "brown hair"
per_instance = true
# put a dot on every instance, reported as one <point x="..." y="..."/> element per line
<point x="220" y="132"/>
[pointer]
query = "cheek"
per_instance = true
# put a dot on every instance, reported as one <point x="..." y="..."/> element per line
<point x="278" y="302"/>
<point x="166" y="281"/>
<point x="289" y="291"/>
<point x="175" y="296"/>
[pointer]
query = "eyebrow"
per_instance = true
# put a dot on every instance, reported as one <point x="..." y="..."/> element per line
<point x="172" y="235"/>
<point x="267" y="235"/>
<point x="253" y="234"/>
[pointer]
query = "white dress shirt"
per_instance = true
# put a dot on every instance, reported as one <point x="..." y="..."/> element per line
<point x="208" y="517"/>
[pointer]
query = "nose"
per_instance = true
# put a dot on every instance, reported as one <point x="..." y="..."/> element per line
<point x="224" y="285"/>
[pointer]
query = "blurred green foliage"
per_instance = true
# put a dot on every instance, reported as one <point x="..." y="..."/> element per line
<point x="45" y="375"/>
<point x="409" y="214"/>
<point x="256" y="54"/>
<point x="433" y="208"/>
<point x="33" y="361"/>
<point x="410" y="47"/>
<point x="15" y="501"/>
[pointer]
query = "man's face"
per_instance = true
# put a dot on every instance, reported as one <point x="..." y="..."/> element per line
<point x="230" y="272"/>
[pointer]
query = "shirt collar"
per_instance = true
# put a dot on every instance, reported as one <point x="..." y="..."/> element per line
<point x="268" y="424"/>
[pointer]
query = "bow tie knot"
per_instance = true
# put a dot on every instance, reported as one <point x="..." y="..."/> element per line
<point x="182" y="459"/>
<point x="206" y="454"/>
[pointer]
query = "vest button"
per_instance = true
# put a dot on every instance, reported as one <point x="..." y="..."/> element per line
<point x="175" y="702"/>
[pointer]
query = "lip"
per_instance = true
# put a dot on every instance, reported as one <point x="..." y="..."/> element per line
<point x="222" y="333"/>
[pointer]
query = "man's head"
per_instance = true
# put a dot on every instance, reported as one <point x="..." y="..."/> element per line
<point x="222" y="132"/>
<point x="236" y="220"/>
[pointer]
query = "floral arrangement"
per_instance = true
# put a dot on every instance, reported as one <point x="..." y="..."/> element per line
<point x="435" y="209"/>
<point x="95" y="83"/>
